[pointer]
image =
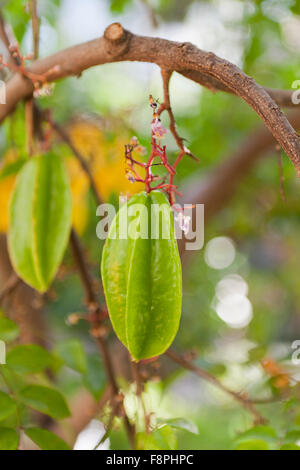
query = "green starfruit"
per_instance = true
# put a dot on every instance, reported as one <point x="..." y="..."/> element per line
<point x="40" y="219"/>
<point x="141" y="275"/>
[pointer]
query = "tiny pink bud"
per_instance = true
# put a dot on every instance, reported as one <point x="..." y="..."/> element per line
<point x="130" y="178"/>
<point x="158" y="130"/>
<point x="134" y="141"/>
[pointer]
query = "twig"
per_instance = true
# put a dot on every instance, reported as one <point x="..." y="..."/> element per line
<point x="135" y="368"/>
<point x="166" y="105"/>
<point x="240" y="397"/>
<point x="10" y="285"/>
<point x="29" y="116"/>
<point x="96" y="332"/>
<point x="136" y="376"/>
<point x="13" y="394"/>
<point x="35" y="22"/>
<point x="92" y="304"/>
<point x="29" y="125"/>
<point x="112" y="415"/>
<point x="152" y="13"/>
<point x="281" y="175"/>
<point x="84" y="165"/>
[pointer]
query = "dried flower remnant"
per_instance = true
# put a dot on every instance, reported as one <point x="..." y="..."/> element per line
<point x="73" y="319"/>
<point x="280" y="378"/>
<point x="46" y="89"/>
<point x="130" y="178"/>
<point x="183" y="222"/>
<point x="158" y="129"/>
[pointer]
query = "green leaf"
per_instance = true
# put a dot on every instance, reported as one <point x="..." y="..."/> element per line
<point x="259" y="432"/>
<point x="7" y="405"/>
<point x="291" y="403"/>
<point x="289" y="447"/>
<point x="95" y="378"/>
<point x="17" y="17"/>
<point x="256" y="438"/>
<point x="9" y="439"/>
<point x="46" y="400"/>
<point x="118" y="6"/>
<point x="72" y="353"/>
<point x="46" y="440"/>
<point x="29" y="358"/>
<point x="11" y="168"/>
<point x="217" y="369"/>
<point x="292" y="436"/>
<point x="40" y="220"/>
<point x="161" y="439"/>
<point x="141" y="275"/>
<point x="8" y="330"/>
<point x="253" y="444"/>
<point x="257" y="353"/>
<point x="182" y="424"/>
<point x="12" y="379"/>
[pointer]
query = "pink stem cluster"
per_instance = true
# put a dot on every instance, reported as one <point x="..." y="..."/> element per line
<point x="165" y="183"/>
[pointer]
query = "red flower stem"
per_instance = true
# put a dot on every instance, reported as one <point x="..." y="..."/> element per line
<point x="149" y="177"/>
<point x="179" y="157"/>
<point x="136" y="162"/>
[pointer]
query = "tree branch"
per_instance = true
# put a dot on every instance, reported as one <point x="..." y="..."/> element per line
<point x="118" y="44"/>
<point x="240" y="397"/>
<point x="92" y="303"/>
<point x="166" y="105"/>
<point x="35" y="23"/>
<point x="83" y="163"/>
<point x="281" y="97"/>
<point x="9" y="286"/>
<point x="20" y="302"/>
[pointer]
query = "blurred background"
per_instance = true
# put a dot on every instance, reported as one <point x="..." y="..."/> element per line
<point x="241" y="302"/>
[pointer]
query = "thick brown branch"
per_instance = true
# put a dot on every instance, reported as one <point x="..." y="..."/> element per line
<point x="117" y="44"/>
<point x="281" y="97"/>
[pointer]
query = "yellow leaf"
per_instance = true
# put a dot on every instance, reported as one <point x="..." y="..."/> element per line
<point x="6" y="186"/>
<point x="107" y="163"/>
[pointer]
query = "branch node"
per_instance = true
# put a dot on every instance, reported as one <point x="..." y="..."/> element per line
<point x="115" y="33"/>
<point x="117" y="40"/>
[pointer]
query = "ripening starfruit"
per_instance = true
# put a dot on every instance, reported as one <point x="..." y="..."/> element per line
<point x="40" y="219"/>
<point x="141" y="273"/>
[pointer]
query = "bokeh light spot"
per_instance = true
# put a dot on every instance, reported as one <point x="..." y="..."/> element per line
<point x="230" y="285"/>
<point x="219" y="252"/>
<point x="235" y="310"/>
